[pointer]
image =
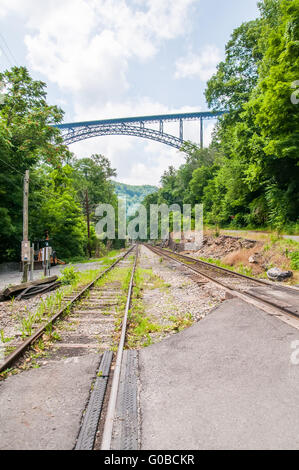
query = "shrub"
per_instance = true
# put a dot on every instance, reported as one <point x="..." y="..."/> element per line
<point x="69" y="276"/>
<point x="295" y="260"/>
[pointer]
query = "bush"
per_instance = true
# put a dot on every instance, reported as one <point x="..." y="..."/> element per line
<point x="295" y="260"/>
<point x="69" y="276"/>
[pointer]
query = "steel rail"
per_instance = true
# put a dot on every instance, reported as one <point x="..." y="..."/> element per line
<point x="160" y="251"/>
<point x="232" y="273"/>
<point x="22" y="348"/>
<point x="109" y="421"/>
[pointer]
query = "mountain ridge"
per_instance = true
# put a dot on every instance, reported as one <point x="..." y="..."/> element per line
<point x="134" y="194"/>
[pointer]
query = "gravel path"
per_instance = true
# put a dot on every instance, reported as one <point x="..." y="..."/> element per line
<point x="245" y="233"/>
<point x="178" y="299"/>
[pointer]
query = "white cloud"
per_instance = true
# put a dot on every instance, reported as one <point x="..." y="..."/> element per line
<point x="86" y="47"/>
<point x="202" y="65"/>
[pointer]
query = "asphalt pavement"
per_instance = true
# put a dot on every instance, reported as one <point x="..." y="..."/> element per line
<point x="228" y="382"/>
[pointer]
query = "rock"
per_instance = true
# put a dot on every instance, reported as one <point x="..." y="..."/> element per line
<point x="276" y="274"/>
<point x="254" y="258"/>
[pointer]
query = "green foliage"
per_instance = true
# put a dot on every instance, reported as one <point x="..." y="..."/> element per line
<point x="26" y="140"/>
<point x="295" y="260"/>
<point x="69" y="276"/>
<point x="249" y="175"/>
<point x="93" y="175"/>
<point x="58" y="182"/>
<point x="54" y="207"/>
<point x="134" y="195"/>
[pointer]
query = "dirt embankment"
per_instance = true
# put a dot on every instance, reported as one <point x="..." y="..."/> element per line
<point x="220" y="247"/>
<point x="252" y="257"/>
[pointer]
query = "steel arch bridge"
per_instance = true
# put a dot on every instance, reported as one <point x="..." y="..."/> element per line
<point x="136" y="126"/>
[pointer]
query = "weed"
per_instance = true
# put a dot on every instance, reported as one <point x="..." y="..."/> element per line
<point x="12" y="303"/>
<point x="6" y="373"/>
<point x="55" y="336"/>
<point x="181" y="322"/>
<point x="245" y="270"/>
<point x="27" y="324"/>
<point x="69" y="276"/>
<point x="295" y="260"/>
<point x="3" y="338"/>
<point x="35" y="365"/>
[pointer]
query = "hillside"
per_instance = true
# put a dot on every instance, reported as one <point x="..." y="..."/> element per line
<point x="134" y="194"/>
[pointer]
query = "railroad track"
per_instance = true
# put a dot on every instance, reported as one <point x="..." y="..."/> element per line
<point x="282" y="298"/>
<point x="68" y="305"/>
<point x="98" y="310"/>
<point x="89" y="432"/>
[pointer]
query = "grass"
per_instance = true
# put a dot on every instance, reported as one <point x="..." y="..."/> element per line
<point x="274" y="252"/>
<point x="85" y="260"/>
<point x="121" y="277"/>
<point x="3" y="338"/>
<point x="143" y="328"/>
<point x="240" y="268"/>
<point x="288" y="229"/>
<point x="181" y="322"/>
<point x="71" y="280"/>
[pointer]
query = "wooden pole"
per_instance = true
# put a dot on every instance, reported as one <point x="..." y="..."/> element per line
<point x="26" y="259"/>
<point x="88" y="222"/>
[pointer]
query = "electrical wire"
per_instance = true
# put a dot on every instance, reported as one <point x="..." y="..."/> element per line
<point x="9" y="50"/>
<point x="6" y="55"/>
<point x="12" y="167"/>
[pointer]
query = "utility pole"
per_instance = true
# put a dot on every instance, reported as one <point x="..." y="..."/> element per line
<point x="88" y="221"/>
<point x="25" y="244"/>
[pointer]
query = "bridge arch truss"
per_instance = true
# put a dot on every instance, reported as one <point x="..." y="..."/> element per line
<point x="77" y="131"/>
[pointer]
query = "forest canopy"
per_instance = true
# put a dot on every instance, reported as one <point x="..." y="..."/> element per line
<point x="249" y="174"/>
<point x="59" y="183"/>
<point x="247" y="177"/>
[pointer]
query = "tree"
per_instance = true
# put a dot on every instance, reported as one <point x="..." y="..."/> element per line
<point x="55" y="208"/>
<point x="259" y="138"/>
<point x="93" y="174"/>
<point x="231" y="86"/>
<point x="27" y="138"/>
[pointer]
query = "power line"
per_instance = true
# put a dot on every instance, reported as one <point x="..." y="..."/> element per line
<point x="6" y="55"/>
<point x="9" y="50"/>
<point x="12" y="167"/>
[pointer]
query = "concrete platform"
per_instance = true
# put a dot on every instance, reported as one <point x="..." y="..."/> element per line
<point x="226" y="383"/>
<point x="42" y="409"/>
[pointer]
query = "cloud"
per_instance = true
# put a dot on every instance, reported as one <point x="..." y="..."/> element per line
<point x="86" y="48"/>
<point x="201" y="65"/>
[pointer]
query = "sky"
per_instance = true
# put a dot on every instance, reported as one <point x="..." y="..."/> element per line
<point x="120" y="58"/>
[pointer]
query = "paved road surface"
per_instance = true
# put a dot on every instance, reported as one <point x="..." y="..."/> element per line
<point x="248" y="233"/>
<point x="42" y="409"/>
<point x="225" y="383"/>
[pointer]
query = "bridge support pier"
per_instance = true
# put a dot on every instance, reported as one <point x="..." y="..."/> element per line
<point x="201" y="133"/>
<point x="135" y="126"/>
